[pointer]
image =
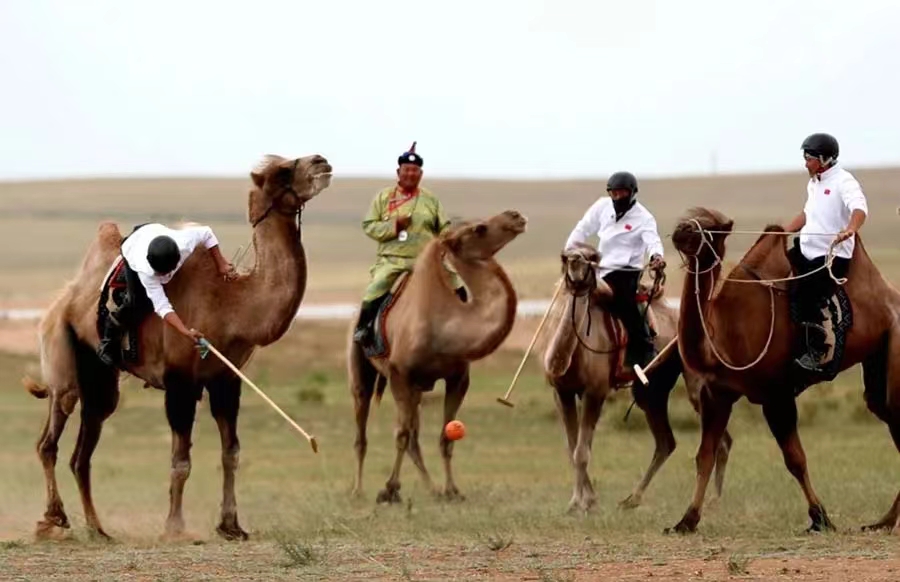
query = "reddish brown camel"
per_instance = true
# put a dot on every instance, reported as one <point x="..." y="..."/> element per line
<point x="580" y="363"/>
<point x="433" y="335"/>
<point x="736" y="323"/>
<point x="236" y="316"/>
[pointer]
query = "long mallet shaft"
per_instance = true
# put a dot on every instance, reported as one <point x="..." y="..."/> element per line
<point x="642" y="372"/>
<point x="505" y="400"/>
<point x="312" y="440"/>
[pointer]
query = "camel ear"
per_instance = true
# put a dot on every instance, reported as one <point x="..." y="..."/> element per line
<point x="258" y="179"/>
<point x="729" y="226"/>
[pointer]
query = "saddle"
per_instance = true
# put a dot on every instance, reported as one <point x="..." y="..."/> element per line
<point x="838" y="315"/>
<point x="113" y="292"/>
<point x="621" y="375"/>
<point x="378" y="347"/>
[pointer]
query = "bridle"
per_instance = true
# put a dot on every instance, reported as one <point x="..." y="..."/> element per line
<point x="289" y="189"/>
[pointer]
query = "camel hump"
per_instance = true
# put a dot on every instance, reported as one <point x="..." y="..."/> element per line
<point x="108" y="232"/>
<point x="36" y="389"/>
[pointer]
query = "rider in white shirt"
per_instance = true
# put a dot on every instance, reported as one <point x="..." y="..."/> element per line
<point x="627" y="233"/>
<point x="835" y="203"/>
<point x="153" y="253"/>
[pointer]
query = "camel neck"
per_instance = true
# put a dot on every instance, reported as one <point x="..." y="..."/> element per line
<point x="474" y="329"/>
<point x="699" y="282"/>
<point x="276" y="285"/>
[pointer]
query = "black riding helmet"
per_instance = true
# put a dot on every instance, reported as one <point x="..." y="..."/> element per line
<point x="822" y="146"/>
<point x="623" y="181"/>
<point x="163" y="254"/>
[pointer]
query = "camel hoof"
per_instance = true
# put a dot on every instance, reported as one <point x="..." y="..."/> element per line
<point x="880" y="526"/>
<point x="232" y="532"/>
<point x="50" y="530"/>
<point x="98" y="534"/>
<point x="388" y="496"/>
<point x="820" y="521"/>
<point x="631" y="502"/>
<point x="688" y="523"/>
<point x="452" y="494"/>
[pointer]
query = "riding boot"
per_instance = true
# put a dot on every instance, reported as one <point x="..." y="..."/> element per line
<point x="815" y="348"/>
<point x="110" y="349"/>
<point x="367" y="312"/>
<point x="641" y="349"/>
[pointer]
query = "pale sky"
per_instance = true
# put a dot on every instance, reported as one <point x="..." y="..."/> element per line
<point x="502" y="88"/>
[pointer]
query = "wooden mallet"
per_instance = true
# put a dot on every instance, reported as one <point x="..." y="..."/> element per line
<point x="204" y="343"/>
<point x="641" y="373"/>
<point x="505" y="400"/>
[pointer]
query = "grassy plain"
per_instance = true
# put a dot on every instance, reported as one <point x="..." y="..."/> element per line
<point x="512" y="465"/>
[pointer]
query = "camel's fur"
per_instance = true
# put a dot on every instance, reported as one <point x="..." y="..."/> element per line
<point x="578" y="373"/>
<point x="737" y="318"/>
<point x="236" y="316"/>
<point x="433" y="335"/>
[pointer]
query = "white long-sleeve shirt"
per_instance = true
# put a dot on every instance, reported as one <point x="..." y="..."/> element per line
<point x="623" y="243"/>
<point x="831" y="199"/>
<point x="134" y="250"/>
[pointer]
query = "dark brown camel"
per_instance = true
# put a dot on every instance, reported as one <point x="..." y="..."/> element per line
<point x="581" y="365"/>
<point x="745" y="322"/>
<point x="236" y="317"/>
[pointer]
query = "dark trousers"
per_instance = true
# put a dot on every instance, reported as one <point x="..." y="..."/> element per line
<point x="624" y="306"/>
<point x="814" y="290"/>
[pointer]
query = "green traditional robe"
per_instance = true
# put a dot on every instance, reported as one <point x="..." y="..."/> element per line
<point x="394" y="256"/>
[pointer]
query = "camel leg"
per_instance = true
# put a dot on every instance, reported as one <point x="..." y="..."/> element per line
<point x="781" y="415"/>
<point x="224" y="404"/>
<point x="457" y="387"/>
<point x="715" y="410"/>
<point x="59" y="368"/>
<point x="59" y="408"/>
<point x="414" y="449"/>
<point x="568" y="410"/>
<point x="654" y="401"/>
<point x="875" y="378"/>
<point x="181" y="408"/>
<point x="99" y="398"/>
<point x="694" y="385"/>
<point x="592" y="405"/>
<point x="362" y="385"/>
<point x="407" y="398"/>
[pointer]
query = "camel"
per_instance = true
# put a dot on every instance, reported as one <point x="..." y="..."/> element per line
<point x="432" y="334"/>
<point x="254" y="310"/>
<point x="721" y="331"/>
<point x="583" y="365"/>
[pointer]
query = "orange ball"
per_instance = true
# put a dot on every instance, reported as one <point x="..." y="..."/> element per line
<point x="455" y="430"/>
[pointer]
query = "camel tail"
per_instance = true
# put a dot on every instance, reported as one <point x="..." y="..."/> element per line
<point x="380" y="384"/>
<point x="36" y="389"/>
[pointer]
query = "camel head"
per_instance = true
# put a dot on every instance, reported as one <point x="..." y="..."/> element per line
<point x="691" y="231"/>
<point x="480" y="240"/>
<point x="285" y="185"/>
<point x="579" y="268"/>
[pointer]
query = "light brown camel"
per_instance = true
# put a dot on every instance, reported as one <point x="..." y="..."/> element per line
<point x="736" y="324"/>
<point x="235" y="316"/>
<point x="433" y="335"/>
<point x="580" y="364"/>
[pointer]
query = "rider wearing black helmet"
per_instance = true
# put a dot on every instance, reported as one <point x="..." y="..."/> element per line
<point x="835" y="204"/>
<point x="627" y="233"/>
<point x="153" y="254"/>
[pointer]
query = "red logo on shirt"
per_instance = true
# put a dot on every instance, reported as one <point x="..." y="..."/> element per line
<point x="827" y="191"/>
<point x="627" y="227"/>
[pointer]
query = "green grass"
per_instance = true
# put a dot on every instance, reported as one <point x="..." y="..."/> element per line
<point x="511" y="466"/>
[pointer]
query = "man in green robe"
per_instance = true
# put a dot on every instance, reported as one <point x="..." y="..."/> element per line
<point x="402" y="219"/>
